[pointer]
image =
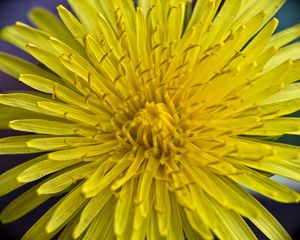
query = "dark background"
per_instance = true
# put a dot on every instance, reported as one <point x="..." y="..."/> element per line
<point x="16" y="10"/>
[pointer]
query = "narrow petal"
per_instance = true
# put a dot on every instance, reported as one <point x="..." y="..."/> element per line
<point x="64" y="180"/>
<point x="266" y="186"/>
<point x="65" y="210"/>
<point x="17" y="145"/>
<point x="103" y="222"/>
<point x="22" y="205"/>
<point x="8" y="179"/>
<point x="48" y="22"/>
<point x="14" y="67"/>
<point x="42" y="126"/>
<point x="270" y="226"/>
<point x="42" y="169"/>
<point x="91" y="210"/>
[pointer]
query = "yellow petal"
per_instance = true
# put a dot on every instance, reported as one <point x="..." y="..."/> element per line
<point x="22" y="34"/>
<point x="14" y="67"/>
<point x="48" y="22"/>
<point x="42" y="126"/>
<point x="17" y="145"/>
<point x="42" y="169"/>
<point x="284" y="37"/>
<point x="197" y="224"/>
<point x="11" y="113"/>
<point x="107" y="9"/>
<point x="146" y="180"/>
<point x="8" y="179"/>
<point x="251" y="8"/>
<point x="51" y="61"/>
<point x="64" y="180"/>
<point x="162" y="206"/>
<point x="87" y="15"/>
<point x="25" y="101"/>
<point x="234" y="197"/>
<point x="65" y="210"/>
<point x="77" y="30"/>
<point x="103" y="222"/>
<point x="290" y="52"/>
<point x="132" y="170"/>
<point x="290" y="92"/>
<point x="220" y="27"/>
<point x="38" y="229"/>
<point x="266" y="186"/>
<point x="69" y="112"/>
<point x="188" y="230"/>
<point x="66" y="233"/>
<point x="276" y="127"/>
<point x="270" y="226"/>
<point x="123" y="208"/>
<point x="231" y="225"/>
<point x="84" y="151"/>
<point x="22" y="205"/>
<point x="100" y="180"/>
<point x="91" y="210"/>
<point x="52" y="143"/>
<point x="56" y="89"/>
<point x="152" y="231"/>
<point x="175" y="229"/>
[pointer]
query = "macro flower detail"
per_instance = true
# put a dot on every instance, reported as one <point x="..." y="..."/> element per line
<point x="151" y="119"/>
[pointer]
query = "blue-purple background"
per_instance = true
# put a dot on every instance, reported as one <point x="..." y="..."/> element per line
<point x="16" y="10"/>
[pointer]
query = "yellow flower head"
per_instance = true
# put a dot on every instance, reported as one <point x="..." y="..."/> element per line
<point x="152" y="118"/>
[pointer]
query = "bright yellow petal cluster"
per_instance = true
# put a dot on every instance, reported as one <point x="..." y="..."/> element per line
<point x="152" y="118"/>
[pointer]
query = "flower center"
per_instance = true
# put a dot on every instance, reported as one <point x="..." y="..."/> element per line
<point x="155" y="127"/>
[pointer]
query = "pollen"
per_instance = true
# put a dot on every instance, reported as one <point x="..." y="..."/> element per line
<point x="153" y="127"/>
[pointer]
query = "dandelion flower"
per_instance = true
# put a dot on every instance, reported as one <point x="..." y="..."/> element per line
<point x="151" y="119"/>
